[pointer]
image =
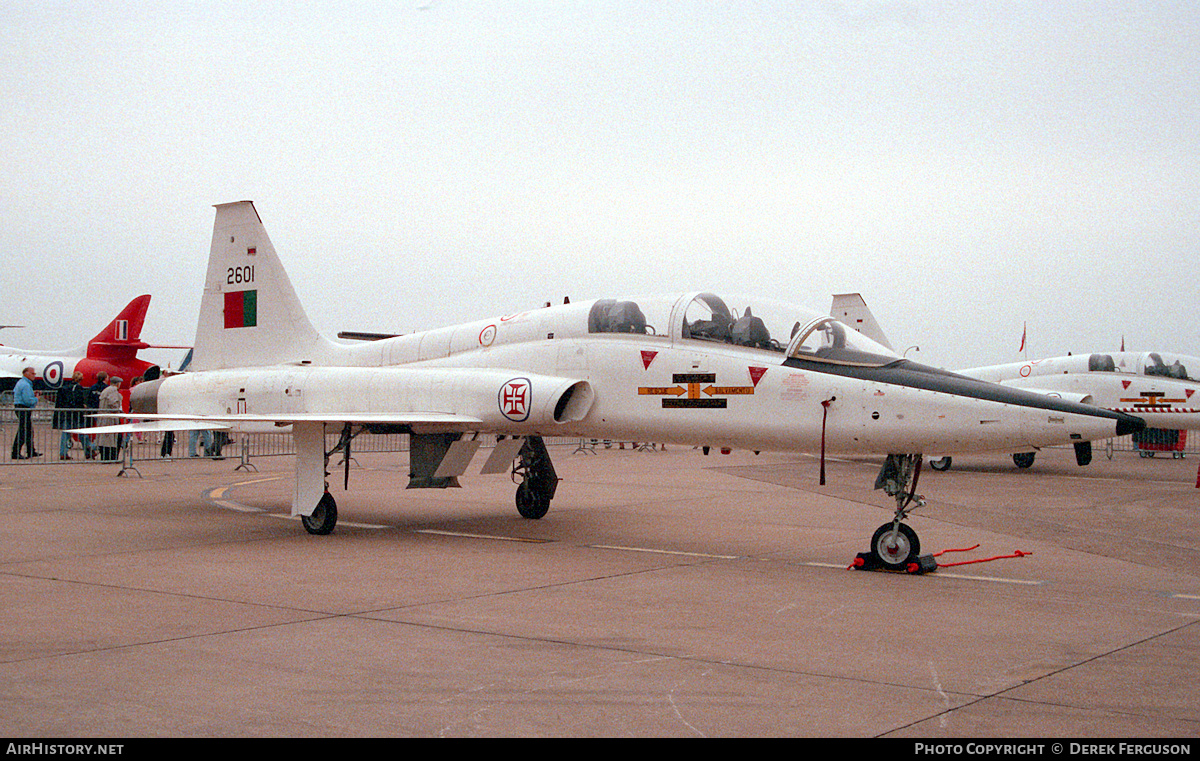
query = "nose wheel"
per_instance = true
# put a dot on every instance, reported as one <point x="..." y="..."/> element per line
<point x="895" y="545"/>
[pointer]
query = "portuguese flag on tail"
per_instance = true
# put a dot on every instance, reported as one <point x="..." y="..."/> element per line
<point x="241" y="309"/>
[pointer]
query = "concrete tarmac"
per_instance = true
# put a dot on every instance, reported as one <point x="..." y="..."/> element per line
<point x="666" y="594"/>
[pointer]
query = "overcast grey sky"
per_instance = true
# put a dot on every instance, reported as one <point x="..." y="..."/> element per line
<point x="968" y="166"/>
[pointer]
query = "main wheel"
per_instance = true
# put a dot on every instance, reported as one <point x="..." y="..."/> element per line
<point x="530" y="502"/>
<point x="324" y="517"/>
<point x="942" y="464"/>
<point x="895" y="546"/>
<point x="1024" y="459"/>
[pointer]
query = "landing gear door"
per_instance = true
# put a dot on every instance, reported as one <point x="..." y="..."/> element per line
<point x="502" y="456"/>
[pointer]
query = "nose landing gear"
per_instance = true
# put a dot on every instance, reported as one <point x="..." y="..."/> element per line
<point x="895" y="545"/>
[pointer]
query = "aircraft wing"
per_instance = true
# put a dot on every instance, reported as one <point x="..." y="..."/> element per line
<point x="159" y="422"/>
<point x="154" y="425"/>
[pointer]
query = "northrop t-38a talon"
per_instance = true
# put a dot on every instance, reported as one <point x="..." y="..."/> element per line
<point x="1157" y="387"/>
<point x="693" y="370"/>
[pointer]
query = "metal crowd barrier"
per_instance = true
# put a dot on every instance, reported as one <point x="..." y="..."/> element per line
<point x="56" y="448"/>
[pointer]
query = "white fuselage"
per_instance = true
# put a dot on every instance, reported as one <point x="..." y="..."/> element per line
<point x="663" y="388"/>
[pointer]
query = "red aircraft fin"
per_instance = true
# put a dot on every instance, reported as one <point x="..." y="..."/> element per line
<point x="122" y="335"/>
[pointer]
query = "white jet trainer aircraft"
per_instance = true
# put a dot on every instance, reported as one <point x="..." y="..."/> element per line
<point x="688" y="370"/>
<point x="1159" y="387"/>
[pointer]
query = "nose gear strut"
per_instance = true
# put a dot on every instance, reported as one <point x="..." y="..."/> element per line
<point x="895" y="544"/>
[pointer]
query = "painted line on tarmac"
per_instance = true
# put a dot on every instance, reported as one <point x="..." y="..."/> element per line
<point x="943" y="575"/>
<point x="661" y="552"/>
<point x="216" y="496"/>
<point x="997" y="579"/>
<point x="466" y="535"/>
<point x="340" y="523"/>
<point x="1186" y="597"/>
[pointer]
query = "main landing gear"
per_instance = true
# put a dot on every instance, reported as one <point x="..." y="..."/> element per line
<point x="895" y="546"/>
<point x="538" y="479"/>
<point x="324" y="516"/>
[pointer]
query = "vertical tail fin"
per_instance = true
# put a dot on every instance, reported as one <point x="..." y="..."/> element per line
<point x="122" y="336"/>
<point x="851" y="308"/>
<point x="249" y="314"/>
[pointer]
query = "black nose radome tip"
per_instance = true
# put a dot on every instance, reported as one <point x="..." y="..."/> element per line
<point x="1128" y="424"/>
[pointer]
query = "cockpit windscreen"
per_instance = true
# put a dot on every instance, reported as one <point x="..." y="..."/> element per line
<point x="784" y="328"/>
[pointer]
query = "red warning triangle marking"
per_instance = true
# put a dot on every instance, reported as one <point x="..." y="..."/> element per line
<point x="647" y="358"/>
<point x="1189" y="392"/>
<point x="1125" y="384"/>
<point x="756" y="374"/>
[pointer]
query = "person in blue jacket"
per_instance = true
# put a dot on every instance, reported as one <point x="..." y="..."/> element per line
<point x="68" y="405"/>
<point x="24" y="400"/>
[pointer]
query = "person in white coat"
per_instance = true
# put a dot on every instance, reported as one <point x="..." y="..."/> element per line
<point x="110" y="401"/>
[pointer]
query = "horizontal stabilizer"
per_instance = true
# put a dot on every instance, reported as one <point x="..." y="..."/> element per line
<point x="358" y="335"/>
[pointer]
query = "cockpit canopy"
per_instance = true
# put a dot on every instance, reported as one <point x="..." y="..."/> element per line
<point x="1171" y="366"/>
<point x="1155" y="364"/>
<point x="612" y="316"/>
<point x="785" y="329"/>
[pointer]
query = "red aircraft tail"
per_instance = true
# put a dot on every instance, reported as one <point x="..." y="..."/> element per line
<point x="121" y="339"/>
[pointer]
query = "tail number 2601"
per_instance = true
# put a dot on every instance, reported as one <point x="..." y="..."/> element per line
<point x="239" y="275"/>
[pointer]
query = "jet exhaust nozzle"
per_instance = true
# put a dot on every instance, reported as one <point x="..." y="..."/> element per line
<point x="143" y="397"/>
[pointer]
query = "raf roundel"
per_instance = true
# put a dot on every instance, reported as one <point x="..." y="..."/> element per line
<point x="514" y="399"/>
<point x="53" y="374"/>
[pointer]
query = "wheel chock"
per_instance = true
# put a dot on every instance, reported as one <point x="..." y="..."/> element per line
<point x="866" y="561"/>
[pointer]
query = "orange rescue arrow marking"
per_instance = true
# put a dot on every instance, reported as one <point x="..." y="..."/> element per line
<point x="710" y="390"/>
<point x="662" y="391"/>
